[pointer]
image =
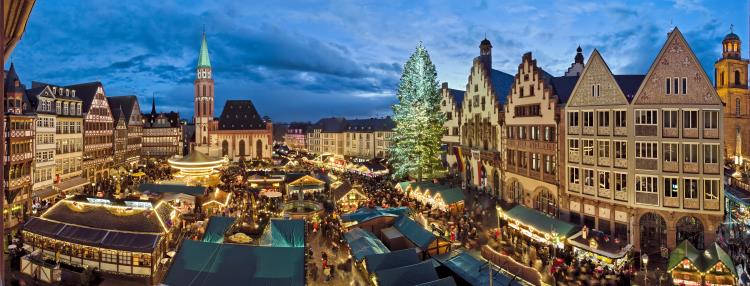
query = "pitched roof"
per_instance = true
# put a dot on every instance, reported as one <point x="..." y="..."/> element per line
<point x="702" y="260"/>
<point x="10" y="79"/>
<point x="370" y="125"/>
<point x="285" y="233"/>
<point x="501" y="83"/>
<point x="409" y="275"/>
<point x="629" y="84"/>
<point x="217" y="226"/>
<point x="472" y="269"/>
<point x="398" y="258"/>
<point x="86" y="91"/>
<point x="77" y="211"/>
<point x="563" y="86"/>
<point x="111" y="239"/>
<point x="128" y="104"/>
<point x="363" y="243"/>
<point x="540" y="221"/>
<point x="203" y="60"/>
<point x="332" y="124"/>
<point x="240" y="115"/>
<point x="458" y="96"/>
<point x="415" y="232"/>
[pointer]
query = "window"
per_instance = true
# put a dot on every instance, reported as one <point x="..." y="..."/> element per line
<point x="573" y="145"/>
<point x="737" y="106"/>
<point x="588" y="119"/>
<point x="535" y="161"/>
<point x="604" y="180"/>
<point x="646" y="184"/>
<point x="690" y="118"/>
<point x="588" y="177"/>
<point x="711" y="153"/>
<point x="711" y="189"/>
<point x="521" y="132"/>
<point x="646" y="150"/>
<point x="574" y="175"/>
<point x="534" y="133"/>
<point x="448" y="115"/>
<point x="549" y="134"/>
<point x="522" y="159"/>
<point x="588" y="147"/>
<point x="621" y="150"/>
<point x="621" y="182"/>
<point x="603" y="148"/>
<point x="670" y="118"/>
<point x="670" y="152"/>
<point x="684" y="85"/>
<point x="549" y="164"/>
<point x="691" y="188"/>
<point x="645" y="117"/>
<point x="573" y="119"/>
<point x="710" y="119"/>
<point x="603" y="118"/>
<point x="671" y="187"/>
<point x="668" y="85"/>
<point x="595" y="90"/>
<point x="691" y="152"/>
<point x="620" y="118"/>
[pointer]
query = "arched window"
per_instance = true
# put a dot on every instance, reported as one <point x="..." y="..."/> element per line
<point x="242" y="148"/>
<point x="737" y="77"/>
<point x="224" y="148"/>
<point x="690" y="228"/>
<point x="259" y="149"/>
<point x="545" y="203"/>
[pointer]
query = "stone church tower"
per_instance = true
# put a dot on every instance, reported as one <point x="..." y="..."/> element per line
<point x="204" y="96"/>
<point x="731" y="85"/>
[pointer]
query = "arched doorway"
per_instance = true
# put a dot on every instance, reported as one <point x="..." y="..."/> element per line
<point x="690" y="228"/>
<point x="653" y="232"/>
<point x="224" y="148"/>
<point x="242" y="148"/>
<point x="516" y="193"/>
<point x="258" y="149"/>
<point x="545" y="202"/>
<point x="496" y="183"/>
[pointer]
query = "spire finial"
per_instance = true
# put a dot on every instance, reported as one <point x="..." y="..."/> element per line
<point x="731" y="28"/>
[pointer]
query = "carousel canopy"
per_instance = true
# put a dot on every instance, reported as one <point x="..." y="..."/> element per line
<point x="414" y="274"/>
<point x="415" y="232"/>
<point x="216" y="228"/>
<point x="363" y="243"/>
<point x="202" y="263"/>
<point x="196" y="164"/>
<point x="172" y="188"/>
<point x="399" y="258"/>
<point x="285" y="233"/>
<point x="472" y="269"/>
<point x="702" y="260"/>
<point x="540" y="221"/>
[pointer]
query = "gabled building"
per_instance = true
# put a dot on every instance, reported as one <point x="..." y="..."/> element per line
<point x="120" y="138"/>
<point x="131" y="139"/>
<point x="368" y="138"/>
<point x="451" y="106"/>
<point x="481" y="123"/>
<point x="327" y="136"/>
<point x="533" y="124"/>
<point x="296" y="135"/>
<point x="98" y="130"/>
<point x="42" y="101"/>
<point x="19" y="146"/>
<point x="242" y="134"/>
<point x="162" y="134"/>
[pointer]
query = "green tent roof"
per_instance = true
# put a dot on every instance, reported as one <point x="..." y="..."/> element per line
<point x="217" y="226"/>
<point x="449" y="194"/>
<point x="285" y="233"/>
<point x="365" y="213"/>
<point x="382" y="261"/>
<point x="472" y="269"/>
<point x="203" y="60"/>
<point x="540" y="221"/>
<point x="363" y="243"/>
<point x="415" y="232"/>
<point x="409" y="275"/>
<point x="200" y="263"/>
<point x="703" y="260"/>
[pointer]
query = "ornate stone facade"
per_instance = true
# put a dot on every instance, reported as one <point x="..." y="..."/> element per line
<point x="731" y="85"/>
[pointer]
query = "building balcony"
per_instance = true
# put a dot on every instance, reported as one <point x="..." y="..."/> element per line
<point x="690" y="168"/>
<point x="604" y="161"/>
<point x="589" y="130"/>
<point x="604" y="130"/>
<point x="669" y="166"/>
<point x="711" y="133"/>
<point x="574" y="156"/>
<point x="670" y="132"/>
<point x="711" y="204"/>
<point x="690" y="132"/>
<point x="711" y="168"/>
<point x="621" y="163"/>
<point x="605" y="193"/>
<point x="621" y="131"/>
<point x="647" y="198"/>
<point x="646" y="164"/>
<point x="693" y="204"/>
<point x="621" y="196"/>
<point x="646" y="130"/>
<point x="574" y="130"/>
<point x="672" y="202"/>
<point x="589" y="160"/>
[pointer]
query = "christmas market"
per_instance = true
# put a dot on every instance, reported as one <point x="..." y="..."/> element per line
<point x="444" y="198"/>
<point x="196" y="165"/>
<point x="592" y="245"/>
<point x="347" y="196"/>
<point x="692" y="267"/>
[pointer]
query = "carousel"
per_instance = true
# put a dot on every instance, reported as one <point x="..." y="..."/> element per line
<point x="196" y="165"/>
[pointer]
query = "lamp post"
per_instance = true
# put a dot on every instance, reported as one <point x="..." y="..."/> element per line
<point x="644" y="259"/>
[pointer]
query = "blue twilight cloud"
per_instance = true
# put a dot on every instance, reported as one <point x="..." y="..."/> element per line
<point x="302" y="60"/>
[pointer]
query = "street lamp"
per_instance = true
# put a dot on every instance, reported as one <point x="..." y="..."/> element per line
<point x="644" y="259"/>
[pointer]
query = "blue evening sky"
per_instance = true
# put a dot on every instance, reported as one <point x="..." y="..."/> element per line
<point x="303" y="60"/>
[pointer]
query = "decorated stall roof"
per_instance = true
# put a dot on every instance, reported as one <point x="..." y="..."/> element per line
<point x="472" y="269"/>
<point x="540" y="221"/>
<point x="216" y="228"/>
<point x="172" y="188"/>
<point x="415" y="232"/>
<point x="409" y="275"/>
<point x="109" y="239"/>
<point x="203" y="263"/>
<point x="363" y="243"/>
<point x="365" y="213"/>
<point x="449" y="195"/>
<point x="128" y="216"/>
<point x="285" y="233"/>
<point x="611" y="249"/>
<point x="399" y="258"/>
<point x="344" y="189"/>
<point x="704" y="261"/>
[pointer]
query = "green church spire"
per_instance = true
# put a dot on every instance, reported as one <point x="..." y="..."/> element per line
<point x="203" y="60"/>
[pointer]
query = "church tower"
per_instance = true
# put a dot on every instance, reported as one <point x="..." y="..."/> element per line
<point x="204" y="96"/>
<point x="731" y="85"/>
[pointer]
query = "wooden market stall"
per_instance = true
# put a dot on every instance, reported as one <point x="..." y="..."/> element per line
<point x="296" y="183"/>
<point x="348" y="197"/>
<point x="594" y="246"/>
<point x="537" y="226"/>
<point x="690" y="266"/>
<point x="440" y="197"/>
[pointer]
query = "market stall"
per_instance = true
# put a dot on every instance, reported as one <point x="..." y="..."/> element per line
<point x="296" y="183"/>
<point x="444" y="198"/>
<point x="536" y="225"/>
<point x="348" y="197"/>
<point x="595" y="246"/>
<point x="690" y="266"/>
